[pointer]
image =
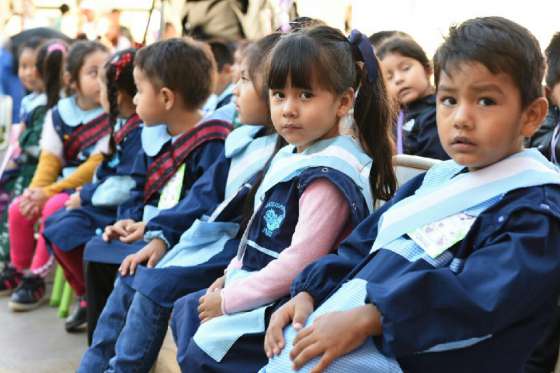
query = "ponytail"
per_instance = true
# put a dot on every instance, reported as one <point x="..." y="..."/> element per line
<point x="50" y="65"/>
<point x="373" y="114"/>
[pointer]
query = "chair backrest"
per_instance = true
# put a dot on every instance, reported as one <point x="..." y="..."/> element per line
<point x="6" y="105"/>
<point x="407" y="166"/>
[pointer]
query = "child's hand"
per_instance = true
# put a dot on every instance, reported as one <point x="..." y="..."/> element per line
<point x="38" y="196"/>
<point x="28" y="208"/>
<point x="152" y="253"/>
<point x="117" y="230"/>
<point x="296" y="311"/>
<point x="33" y="200"/>
<point x="335" y="334"/>
<point x="134" y="232"/>
<point x="210" y="306"/>
<point x="74" y="201"/>
<point x="217" y="285"/>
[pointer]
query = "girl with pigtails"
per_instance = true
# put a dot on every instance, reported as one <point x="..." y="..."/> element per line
<point x="94" y="206"/>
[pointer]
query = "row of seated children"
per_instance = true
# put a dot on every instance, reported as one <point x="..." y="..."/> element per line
<point x="432" y="281"/>
<point x="115" y="91"/>
<point x="468" y="264"/>
<point x="263" y="211"/>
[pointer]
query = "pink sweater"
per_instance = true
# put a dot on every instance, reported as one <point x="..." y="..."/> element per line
<point x="322" y="223"/>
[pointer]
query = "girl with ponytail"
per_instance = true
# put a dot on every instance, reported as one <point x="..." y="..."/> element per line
<point x="94" y="206"/>
<point x="315" y="191"/>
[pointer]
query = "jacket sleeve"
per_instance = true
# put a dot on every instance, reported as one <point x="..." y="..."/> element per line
<point x="133" y="208"/>
<point x="322" y="277"/>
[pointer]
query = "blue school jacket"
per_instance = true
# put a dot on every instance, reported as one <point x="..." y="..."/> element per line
<point x="420" y="130"/>
<point x="200" y="249"/>
<point x="483" y="309"/>
<point x="67" y="117"/>
<point x="70" y="229"/>
<point x="196" y="164"/>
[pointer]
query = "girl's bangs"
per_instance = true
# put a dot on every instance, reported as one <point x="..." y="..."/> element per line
<point x="293" y="60"/>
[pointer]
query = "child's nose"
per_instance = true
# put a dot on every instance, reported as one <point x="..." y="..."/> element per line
<point x="289" y="109"/>
<point x="462" y="118"/>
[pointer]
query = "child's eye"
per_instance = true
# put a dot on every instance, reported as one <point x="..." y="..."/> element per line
<point x="277" y="95"/>
<point x="485" y="101"/>
<point x="448" y="101"/>
<point x="306" y="95"/>
<point x="406" y="68"/>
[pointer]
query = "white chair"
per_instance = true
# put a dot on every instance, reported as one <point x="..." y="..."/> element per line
<point x="408" y="166"/>
<point x="6" y="106"/>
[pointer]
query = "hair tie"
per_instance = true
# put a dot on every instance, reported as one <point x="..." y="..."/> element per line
<point x="365" y="48"/>
<point x="120" y="63"/>
<point x="56" y="47"/>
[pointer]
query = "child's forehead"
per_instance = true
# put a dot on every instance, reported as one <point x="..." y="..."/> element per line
<point x="473" y="73"/>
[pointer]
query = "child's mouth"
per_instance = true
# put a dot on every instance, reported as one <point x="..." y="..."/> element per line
<point x="462" y="143"/>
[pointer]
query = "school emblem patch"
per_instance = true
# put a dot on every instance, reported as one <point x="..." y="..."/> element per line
<point x="273" y="217"/>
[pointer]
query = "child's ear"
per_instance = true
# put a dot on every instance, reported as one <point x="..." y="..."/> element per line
<point x="227" y="69"/>
<point x="346" y="102"/>
<point x="168" y="98"/>
<point x="533" y="116"/>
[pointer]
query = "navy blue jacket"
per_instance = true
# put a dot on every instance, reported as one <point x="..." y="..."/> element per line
<point x="423" y="139"/>
<point x="506" y="287"/>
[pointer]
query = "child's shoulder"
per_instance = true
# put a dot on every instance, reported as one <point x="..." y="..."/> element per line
<point x="539" y="199"/>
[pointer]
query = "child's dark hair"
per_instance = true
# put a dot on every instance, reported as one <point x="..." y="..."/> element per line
<point x="118" y="77"/>
<point x="499" y="44"/>
<point x="255" y="57"/>
<point x="324" y="55"/>
<point x="77" y="56"/>
<point x="50" y="66"/>
<point x="180" y="65"/>
<point x="32" y="43"/>
<point x="406" y="47"/>
<point x="377" y="38"/>
<point x="222" y="52"/>
<point x="552" y="54"/>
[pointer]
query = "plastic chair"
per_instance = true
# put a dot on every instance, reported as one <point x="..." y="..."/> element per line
<point x="62" y="294"/>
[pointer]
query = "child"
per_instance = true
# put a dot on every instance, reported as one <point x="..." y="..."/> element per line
<point x="200" y="254"/>
<point x="314" y="192"/>
<point x="408" y="71"/>
<point x="95" y="205"/>
<point x="74" y="137"/>
<point x="22" y="155"/>
<point x="546" y="138"/>
<point x="222" y="93"/>
<point x="174" y="79"/>
<point x="463" y="272"/>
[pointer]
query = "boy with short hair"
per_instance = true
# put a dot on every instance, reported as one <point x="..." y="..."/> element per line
<point x="463" y="270"/>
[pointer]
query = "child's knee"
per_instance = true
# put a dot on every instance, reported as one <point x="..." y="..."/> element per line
<point x="14" y="209"/>
<point x="54" y="203"/>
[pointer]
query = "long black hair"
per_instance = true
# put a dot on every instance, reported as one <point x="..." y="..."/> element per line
<point x="324" y="53"/>
<point x="255" y="57"/>
<point x="50" y="66"/>
<point x="118" y="78"/>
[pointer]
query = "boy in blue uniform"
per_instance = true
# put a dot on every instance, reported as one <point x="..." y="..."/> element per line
<point x="463" y="270"/>
<point x="174" y="79"/>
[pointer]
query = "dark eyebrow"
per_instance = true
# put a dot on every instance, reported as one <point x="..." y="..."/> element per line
<point x="445" y="88"/>
<point x="488" y="87"/>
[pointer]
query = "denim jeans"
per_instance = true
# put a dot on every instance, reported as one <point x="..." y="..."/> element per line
<point x="129" y="333"/>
